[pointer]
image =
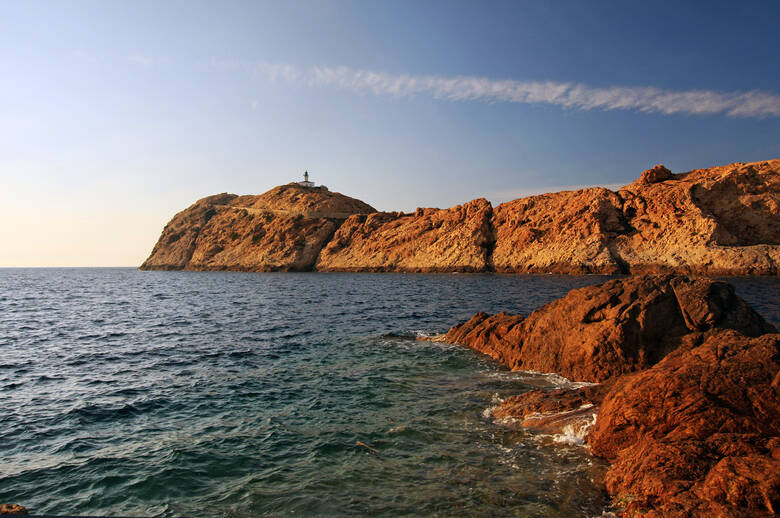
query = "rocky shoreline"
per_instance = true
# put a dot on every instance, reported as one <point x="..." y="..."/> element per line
<point x="685" y="393"/>
<point x="717" y="221"/>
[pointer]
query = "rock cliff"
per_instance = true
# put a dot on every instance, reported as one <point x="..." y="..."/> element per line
<point x="687" y="405"/>
<point x="430" y="240"/>
<point x="718" y="221"/>
<point x="282" y="230"/>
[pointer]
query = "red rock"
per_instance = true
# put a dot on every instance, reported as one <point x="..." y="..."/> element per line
<point x="688" y="411"/>
<point x="658" y="173"/>
<point x="565" y="232"/>
<point x="718" y="221"/>
<point x="282" y="229"/>
<point x="430" y="240"/>
<point x="624" y="325"/>
<point x="551" y="401"/>
<point x="697" y="432"/>
<point x="12" y="509"/>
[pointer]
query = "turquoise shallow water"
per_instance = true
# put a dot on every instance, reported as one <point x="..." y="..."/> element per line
<point x="234" y="394"/>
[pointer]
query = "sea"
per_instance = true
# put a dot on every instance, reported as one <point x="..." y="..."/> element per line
<point x="225" y="394"/>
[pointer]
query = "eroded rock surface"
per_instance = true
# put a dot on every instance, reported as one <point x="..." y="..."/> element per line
<point x="429" y="240"/>
<point x="564" y="232"/>
<point x="699" y="431"/>
<point x="281" y="230"/>
<point x="624" y="325"/>
<point x="688" y="408"/>
<point x="717" y="221"/>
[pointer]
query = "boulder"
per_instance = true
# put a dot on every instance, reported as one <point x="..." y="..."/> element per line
<point x="698" y="431"/>
<point x="624" y="325"/>
<point x="12" y="509"/>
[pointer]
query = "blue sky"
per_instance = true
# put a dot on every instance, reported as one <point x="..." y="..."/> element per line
<point x="114" y="116"/>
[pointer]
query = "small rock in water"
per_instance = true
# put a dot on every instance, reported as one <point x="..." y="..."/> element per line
<point x="12" y="509"/>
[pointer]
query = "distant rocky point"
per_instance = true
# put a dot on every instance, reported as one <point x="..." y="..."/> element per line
<point x="718" y="221"/>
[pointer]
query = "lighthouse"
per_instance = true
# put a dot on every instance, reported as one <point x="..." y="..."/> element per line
<point x="306" y="182"/>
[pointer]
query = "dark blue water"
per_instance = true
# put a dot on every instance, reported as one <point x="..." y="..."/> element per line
<point x="233" y="394"/>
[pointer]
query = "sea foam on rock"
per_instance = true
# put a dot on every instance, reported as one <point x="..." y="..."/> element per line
<point x="688" y="401"/>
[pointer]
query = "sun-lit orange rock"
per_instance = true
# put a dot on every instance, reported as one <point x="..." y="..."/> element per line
<point x="624" y="325"/>
<point x="12" y="509"/>
<point x="429" y="240"/>
<point x="718" y="221"/>
<point x="687" y="410"/>
<point x="281" y="230"/>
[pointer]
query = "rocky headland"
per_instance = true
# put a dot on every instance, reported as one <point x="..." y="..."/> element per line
<point x="685" y="390"/>
<point x="718" y="221"/>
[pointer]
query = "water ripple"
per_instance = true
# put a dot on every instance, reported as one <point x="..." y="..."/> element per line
<point x="237" y="395"/>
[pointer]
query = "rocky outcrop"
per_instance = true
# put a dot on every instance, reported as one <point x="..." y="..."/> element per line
<point x="697" y="433"/>
<point x="717" y="221"/>
<point x="178" y="240"/>
<point x="598" y="332"/>
<point x="13" y="509"/>
<point x="564" y="232"/>
<point x="281" y="230"/>
<point x="430" y="240"/>
<point x="688" y="405"/>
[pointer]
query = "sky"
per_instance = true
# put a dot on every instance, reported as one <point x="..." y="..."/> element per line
<point x="116" y="115"/>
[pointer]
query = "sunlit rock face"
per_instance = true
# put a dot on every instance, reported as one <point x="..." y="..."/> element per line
<point x="281" y="230"/>
<point x="687" y="404"/>
<point x="717" y="221"/>
<point x="428" y="240"/>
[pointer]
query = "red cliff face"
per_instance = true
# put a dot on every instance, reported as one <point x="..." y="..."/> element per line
<point x="430" y="240"/>
<point x="281" y="230"/>
<point x="688" y="404"/>
<point x="717" y="221"/>
<point x="564" y="232"/>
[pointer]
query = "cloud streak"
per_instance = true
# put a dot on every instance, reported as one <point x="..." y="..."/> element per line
<point x="576" y="96"/>
<point x="147" y="61"/>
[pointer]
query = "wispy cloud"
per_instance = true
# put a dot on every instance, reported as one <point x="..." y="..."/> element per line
<point x="147" y="61"/>
<point x="569" y="95"/>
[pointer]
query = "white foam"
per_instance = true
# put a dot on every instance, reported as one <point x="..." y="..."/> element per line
<point x="575" y="433"/>
<point x="542" y="415"/>
<point x="541" y="379"/>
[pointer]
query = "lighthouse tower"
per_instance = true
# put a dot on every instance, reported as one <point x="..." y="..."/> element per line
<point x="306" y="182"/>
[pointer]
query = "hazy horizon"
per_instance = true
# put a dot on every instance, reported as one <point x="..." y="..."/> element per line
<point x="116" y="116"/>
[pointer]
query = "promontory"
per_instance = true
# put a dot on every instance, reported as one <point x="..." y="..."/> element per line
<point x="719" y="221"/>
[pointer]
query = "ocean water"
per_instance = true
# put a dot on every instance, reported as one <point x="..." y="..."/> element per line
<point x="129" y="393"/>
